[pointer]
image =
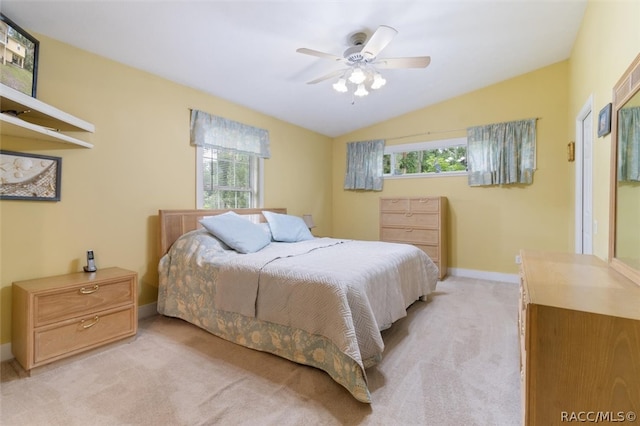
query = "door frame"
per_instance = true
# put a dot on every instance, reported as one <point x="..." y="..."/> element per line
<point x="586" y="109"/>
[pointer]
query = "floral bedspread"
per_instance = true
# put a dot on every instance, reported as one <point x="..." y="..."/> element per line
<point x="321" y="302"/>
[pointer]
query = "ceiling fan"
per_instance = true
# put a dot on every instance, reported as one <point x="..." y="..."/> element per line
<point x="362" y="62"/>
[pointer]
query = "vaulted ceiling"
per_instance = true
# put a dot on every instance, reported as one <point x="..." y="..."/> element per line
<point x="245" y="51"/>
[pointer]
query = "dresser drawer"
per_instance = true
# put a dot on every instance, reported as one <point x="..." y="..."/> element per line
<point x="424" y="204"/>
<point x="82" y="299"/>
<point x="394" y="204"/>
<point x="410" y="235"/>
<point x="427" y="220"/>
<point x="431" y="251"/>
<point x="83" y="333"/>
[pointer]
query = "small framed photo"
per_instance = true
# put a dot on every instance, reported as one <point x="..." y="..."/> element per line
<point x="604" y="121"/>
<point x="18" y="57"/>
<point x="29" y="177"/>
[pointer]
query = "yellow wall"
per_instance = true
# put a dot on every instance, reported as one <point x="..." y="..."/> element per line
<point x="488" y="225"/>
<point x="609" y="39"/>
<point x="141" y="162"/>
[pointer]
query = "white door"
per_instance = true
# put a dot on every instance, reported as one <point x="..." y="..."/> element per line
<point x="584" y="181"/>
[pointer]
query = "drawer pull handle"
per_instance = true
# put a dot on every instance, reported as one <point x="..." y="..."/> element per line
<point x="90" y="290"/>
<point x="408" y="230"/>
<point x="408" y="214"/>
<point x="95" y="321"/>
<point x="394" y="201"/>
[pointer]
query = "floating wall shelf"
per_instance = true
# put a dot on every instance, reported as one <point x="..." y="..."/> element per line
<point x="26" y="117"/>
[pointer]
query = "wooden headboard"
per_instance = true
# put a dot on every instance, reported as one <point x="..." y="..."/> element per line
<point x="174" y="223"/>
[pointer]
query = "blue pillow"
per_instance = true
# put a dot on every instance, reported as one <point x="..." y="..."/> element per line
<point x="237" y="232"/>
<point x="287" y="228"/>
<point x="265" y="228"/>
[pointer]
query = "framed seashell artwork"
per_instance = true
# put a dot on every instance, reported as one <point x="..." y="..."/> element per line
<point x="29" y="176"/>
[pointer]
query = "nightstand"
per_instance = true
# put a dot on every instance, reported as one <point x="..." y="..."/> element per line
<point x="56" y="317"/>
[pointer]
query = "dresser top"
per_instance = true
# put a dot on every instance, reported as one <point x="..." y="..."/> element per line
<point x="579" y="282"/>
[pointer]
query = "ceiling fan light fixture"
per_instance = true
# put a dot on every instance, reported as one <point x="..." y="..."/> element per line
<point x="340" y="85"/>
<point x="378" y="81"/>
<point x="361" y="91"/>
<point x="357" y="76"/>
<point x="362" y="60"/>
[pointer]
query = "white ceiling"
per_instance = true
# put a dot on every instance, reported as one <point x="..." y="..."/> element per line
<point x="245" y="51"/>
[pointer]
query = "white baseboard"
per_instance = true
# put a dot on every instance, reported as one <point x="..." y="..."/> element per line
<point x="485" y="275"/>
<point x="5" y="352"/>
<point x="144" y="311"/>
<point x="148" y="310"/>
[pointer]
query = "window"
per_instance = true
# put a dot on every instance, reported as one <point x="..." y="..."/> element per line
<point x="228" y="179"/>
<point x="423" y="159"/>
<point x="229" y="161"/>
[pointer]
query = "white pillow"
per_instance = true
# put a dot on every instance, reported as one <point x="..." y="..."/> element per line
<point x="287" y="228"/>
<point x="237" y="232"/>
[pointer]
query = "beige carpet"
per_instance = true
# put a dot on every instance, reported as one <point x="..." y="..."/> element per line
<point x="451" y="361"/>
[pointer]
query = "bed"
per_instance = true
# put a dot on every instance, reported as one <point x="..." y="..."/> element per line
<point x="321" y="302"/>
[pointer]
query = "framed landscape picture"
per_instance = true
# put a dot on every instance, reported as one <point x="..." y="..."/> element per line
<point x="29" y="176"/>
<point x="18" y="57"/>
<point x="604" y="121"/>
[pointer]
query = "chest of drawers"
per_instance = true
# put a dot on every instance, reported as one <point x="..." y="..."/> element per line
<point x="420" y="221"/>
<point x="56" y="317"/>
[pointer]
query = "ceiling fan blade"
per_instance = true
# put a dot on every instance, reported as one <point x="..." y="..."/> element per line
<point x="312" y="52"/>
<point x="378" y="41"/>
<point x="328" y="76"/>
<point x="415" y="62"/>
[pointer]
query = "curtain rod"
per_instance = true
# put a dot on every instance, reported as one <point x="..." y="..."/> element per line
<point x="437" y="132"/>
<point x="425" y="134"/>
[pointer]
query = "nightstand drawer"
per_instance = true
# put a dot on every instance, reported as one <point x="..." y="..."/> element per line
<point x="83" y="333"/>
<point x="82" y="299"/>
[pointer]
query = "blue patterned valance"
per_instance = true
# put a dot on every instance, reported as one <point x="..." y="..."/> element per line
<point x="219" y="132"/>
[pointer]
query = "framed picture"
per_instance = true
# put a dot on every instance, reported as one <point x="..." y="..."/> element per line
<point x="18" y="57"/>
<point x="604" y="121"/>
<point x="29" y="176"/>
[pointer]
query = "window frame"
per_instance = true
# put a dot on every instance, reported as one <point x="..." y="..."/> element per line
<point x="424" y="146"/>
<point x="257" y="180"/>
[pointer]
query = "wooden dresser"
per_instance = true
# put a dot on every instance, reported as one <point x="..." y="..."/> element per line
<point x="579" y="327"/>
<point x="56" y="317"/>
<point x="421" y="221"/>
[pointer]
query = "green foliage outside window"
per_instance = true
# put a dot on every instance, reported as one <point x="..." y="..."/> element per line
<point x="452" y="159"/>
<point x="227" y="179"/>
